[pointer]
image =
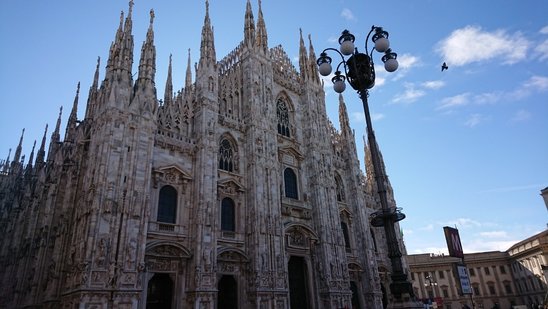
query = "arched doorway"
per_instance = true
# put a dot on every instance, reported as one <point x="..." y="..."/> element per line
<point x="228" y="293"/>
<point x="355" y="295"/>
<point x="384" y="297"/>
<point x="298" y="282"/>
<point x="159" y="292"/>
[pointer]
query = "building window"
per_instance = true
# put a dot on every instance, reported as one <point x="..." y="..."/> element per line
<point x="290" y="181"/>
<point x="340" y="189"/>
<point x="486" y="270"/>
<point x="374" y="239"/>
<point x="226" y="154"/>
<point x="476" y="290"/>
<point x="445" y="292"/>
<point x="283" y="119"/>
<point x="346" y="236"/>
<point x="508" y="288"/>
<point x="472" y="272"/>
<point x="502" y="269"/>
<point x="491" y="288"/>
<point x="167" y="205"/>
<point x="441" y="274"/>
<point x="228" y="215"/>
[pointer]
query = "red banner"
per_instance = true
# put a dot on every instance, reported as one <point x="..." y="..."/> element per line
<point x="453" y="242"/>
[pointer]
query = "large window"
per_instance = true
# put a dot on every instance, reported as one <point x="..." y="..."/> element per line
<point x="283" y="118"/>
<point x="290" y="181"/>
<point x="346" y="236"/>
<point x="167" y="205"/>
<point x="226" y="156"/>
<point x="228" y="215"/>
<point x="340" y="189"/>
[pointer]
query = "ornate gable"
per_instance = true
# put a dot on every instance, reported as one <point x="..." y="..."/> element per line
<point x="171" y="174"/>
<point x="230" y="186"/>
<point x="290" y="155"/>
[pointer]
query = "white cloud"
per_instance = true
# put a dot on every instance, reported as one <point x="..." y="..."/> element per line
<point x="487" y="97"/>
<point x="542" y="50"/>
<point x="405" y="63"/>
<point x="347" y="14"/>
<point x="376" y="116"/>
<point x="521" y="115"/>
<point x="534" y="84"/>
<point x="410" y="94"/>
<point x="359" y="117"/>
<point x="539" y="83"/>
<point x="433" y="84"/>
<point x="494" y="234"/>
<point x="481" y="245"/>
<point x="544" y="30"/>
<point x="473" y="120"/>
<point x="463" y="222"/>
<point x="454" y="101"/>
<point x="472" y="44"/>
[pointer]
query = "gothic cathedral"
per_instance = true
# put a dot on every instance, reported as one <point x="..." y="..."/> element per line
<point x="235" y="191"/>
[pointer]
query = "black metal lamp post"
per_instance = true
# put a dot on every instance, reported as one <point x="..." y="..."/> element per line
<point x="359" y="70"/>
<point x="430" y="287"/>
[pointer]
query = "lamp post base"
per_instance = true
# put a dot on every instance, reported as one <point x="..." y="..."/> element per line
<point x="406" y="302"/>
<point x="404" y="290"/>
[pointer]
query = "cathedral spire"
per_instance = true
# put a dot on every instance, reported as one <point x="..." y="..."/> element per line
<point x="19" y="148"/>
<point x="168" y="92"/>
<point x="71" y="124"/>
<point x="5" y="166"/>
<point x="343" y="117"/>
<point x="147" y="63"/>
<point x="144" y="95"/>
<point x="92" y="96"/>
<point x="31" y="157"/>
<point x="303" y="58"/>
<point x="312" y="62"/>
<point x="120" y="58"/>
<point x="40" y="156"/>
<point x="188" y="77"/>
<point x="262" y="37"/>
<point x="207" y="46"/>
<point x="249" y="26"/>
<point x="370" y="171"/>
<point x="55" y="136"/>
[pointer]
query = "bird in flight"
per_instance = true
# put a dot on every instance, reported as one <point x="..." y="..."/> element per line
<point x="444" y="67"/>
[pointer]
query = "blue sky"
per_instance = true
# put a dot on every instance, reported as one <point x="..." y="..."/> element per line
<point x="467" y="147"/>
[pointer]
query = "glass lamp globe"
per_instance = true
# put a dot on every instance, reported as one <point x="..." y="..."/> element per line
<point x="347" y="47"/>
<point x="339" y="86"/>
<point x="325" y="69"/>
<point x="391" y="65"/>
<point x="382" y="44"/>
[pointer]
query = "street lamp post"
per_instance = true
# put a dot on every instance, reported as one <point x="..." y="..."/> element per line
<point x="430" y="288"/>
<point x="359" y="70"/>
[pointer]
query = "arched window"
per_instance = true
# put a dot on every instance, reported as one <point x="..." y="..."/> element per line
<point x="346" y="236"/>
<point x="228" y="215"/>
<point x="283" y="118"/>
<point x="167" y="205"/>
<point x="226" y="156"/>
<point x="374" y="239"/>
<point x="290" y="180"/>
<point x="340" y="189"/>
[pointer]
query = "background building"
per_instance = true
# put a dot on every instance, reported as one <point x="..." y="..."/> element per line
<point x="234" y="190"/>
<point x="513" y="277"/>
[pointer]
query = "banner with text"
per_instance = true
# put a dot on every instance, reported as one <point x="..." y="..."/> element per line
<point x="453" y="242"/>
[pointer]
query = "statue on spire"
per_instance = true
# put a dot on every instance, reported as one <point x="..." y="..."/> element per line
<point x="152" y="16"/>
